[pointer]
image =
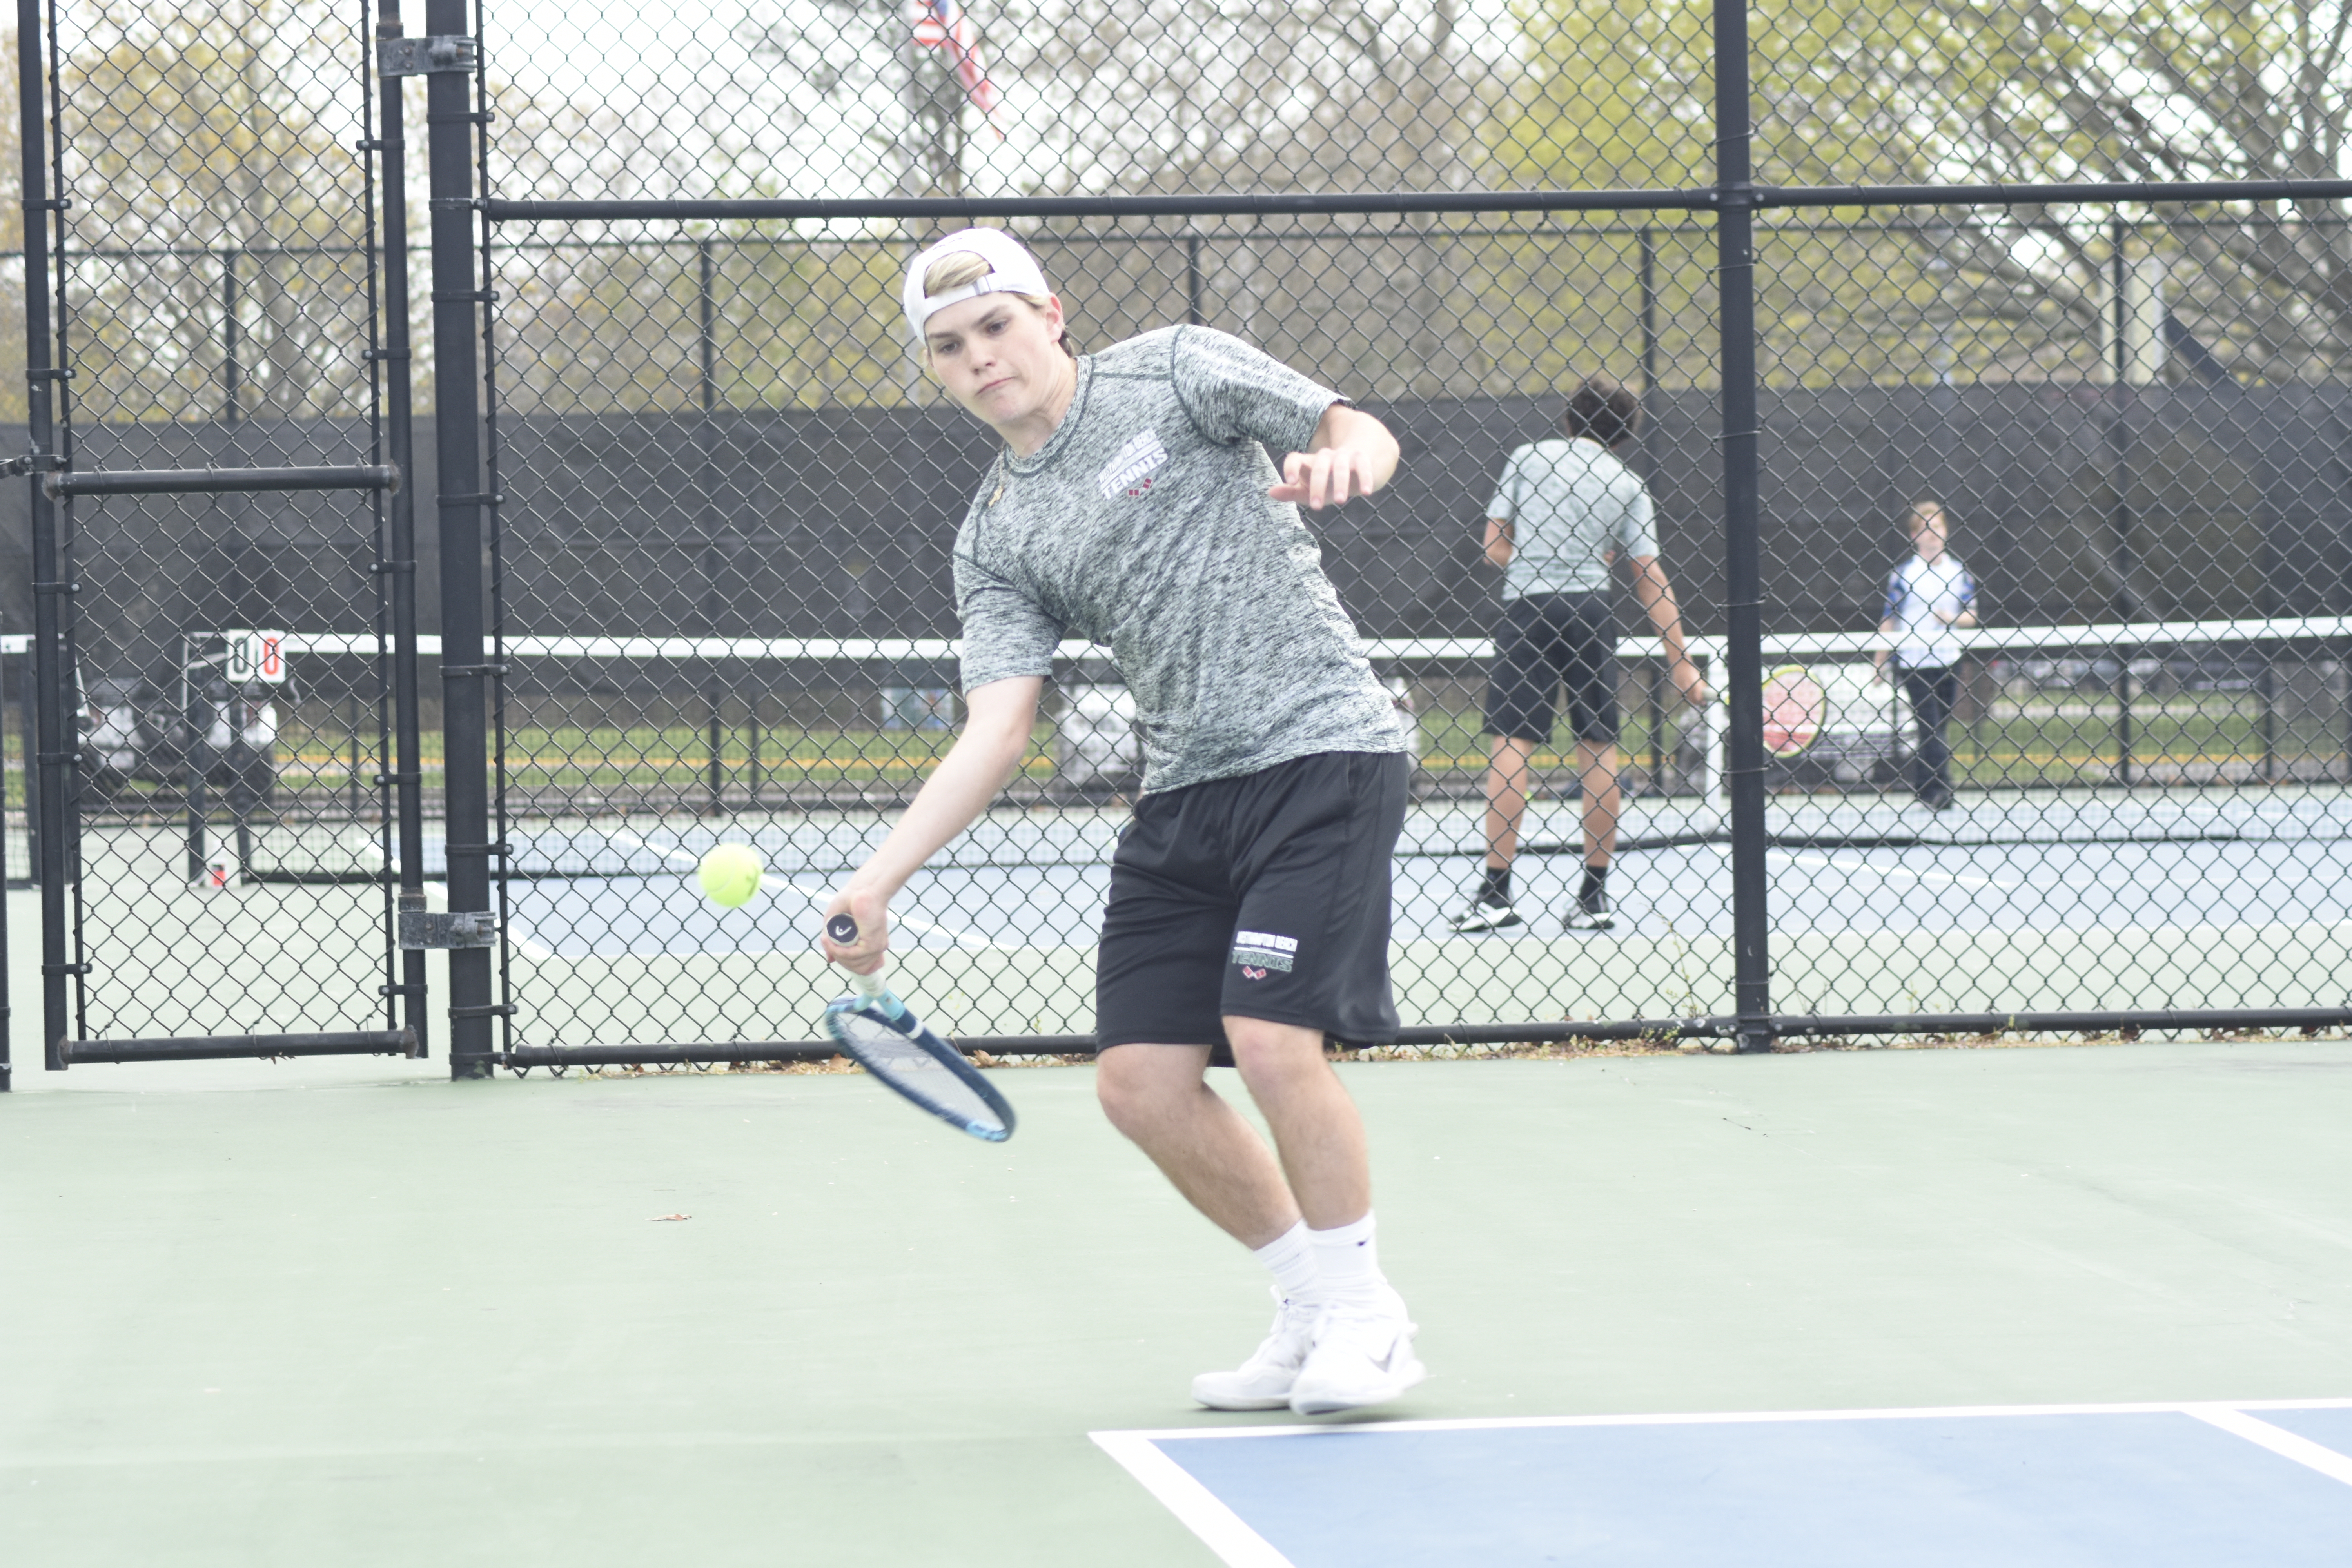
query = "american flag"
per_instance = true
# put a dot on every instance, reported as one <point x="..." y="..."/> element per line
<point x="945" y="25"/>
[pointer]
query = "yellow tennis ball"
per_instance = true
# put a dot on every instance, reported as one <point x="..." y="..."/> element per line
<point x="730" y="875"/>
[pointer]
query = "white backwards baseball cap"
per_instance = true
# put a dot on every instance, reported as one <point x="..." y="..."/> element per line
<point x="1011" y="270"/>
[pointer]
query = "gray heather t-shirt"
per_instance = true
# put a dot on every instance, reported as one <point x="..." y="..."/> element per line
<point x="1570" y="503"/>
<point x="1144" y="524"/>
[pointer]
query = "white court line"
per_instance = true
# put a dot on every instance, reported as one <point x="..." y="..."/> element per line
<point x="623" y="834"/>
<point x="2286" y="1445"/>
<point x="1196" y="1508"/>
<point x="1731" y="1418"/>
<point x="818" y="895"/>
<point x="1832" y="860"/>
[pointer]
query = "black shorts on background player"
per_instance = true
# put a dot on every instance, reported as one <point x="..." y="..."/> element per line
<point x="1545" y="641"/>
<point x="1263" y="896"/>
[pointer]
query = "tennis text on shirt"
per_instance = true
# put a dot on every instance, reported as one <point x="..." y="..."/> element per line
<point x="1144" y="524"/>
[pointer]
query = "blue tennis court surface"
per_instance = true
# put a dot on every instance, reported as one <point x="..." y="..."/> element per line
<point x="607" y="889"/>
<point x="2058" y="1487"/>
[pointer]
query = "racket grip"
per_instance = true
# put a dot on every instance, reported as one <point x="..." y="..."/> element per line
<point x="843" y="928"/>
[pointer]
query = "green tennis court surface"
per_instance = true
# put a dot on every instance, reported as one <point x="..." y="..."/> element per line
<point x="348" y="1312"/>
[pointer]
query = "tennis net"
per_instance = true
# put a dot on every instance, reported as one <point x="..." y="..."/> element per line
<point x="2163" y="730"/>
<point x="2106" y="779"/>
<point x="2189" y="729"/>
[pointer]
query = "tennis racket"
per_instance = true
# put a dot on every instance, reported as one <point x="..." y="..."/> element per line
<point x="1794" y="707"/>
<point x="881" y="1034"/>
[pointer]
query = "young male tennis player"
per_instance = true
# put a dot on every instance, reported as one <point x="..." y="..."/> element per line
<point x="1135" y="505"/>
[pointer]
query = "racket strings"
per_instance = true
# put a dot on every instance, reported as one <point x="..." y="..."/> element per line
<point x="912" y="1069"/>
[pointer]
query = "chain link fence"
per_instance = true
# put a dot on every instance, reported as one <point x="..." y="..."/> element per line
<point x="1995" y="487"/>
<point x="209" y="824"/>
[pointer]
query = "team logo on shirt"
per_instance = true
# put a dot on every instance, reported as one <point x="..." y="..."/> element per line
<point x="1258" y="950"/>
<point x="1128" y="472"/>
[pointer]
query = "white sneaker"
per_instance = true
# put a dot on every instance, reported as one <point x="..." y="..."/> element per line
<point x="1362" y="1355"/>
<point x="1485" y="914"/>
<point x="1597" y="915"/>
<point x="1262" y="1381"/>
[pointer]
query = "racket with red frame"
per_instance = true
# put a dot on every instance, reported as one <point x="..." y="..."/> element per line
<point x="1794" y="709"/>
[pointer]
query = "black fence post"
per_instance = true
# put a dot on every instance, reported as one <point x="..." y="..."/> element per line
<point x="51" y="681"/>
<point x="464" y="717"/>
<point x="2124" y="562"/>
<point x="706" y="324"/>
<point x="714" y="558"/>
<point x="758" y="739"/>
<point x="232" y="380"/>
<point x="1649" y="312"/>
<point x="2344" y="716"/>
<point x="1743" y="567"/>
<point x="407" y="776"/>
<point x="28" y="725"/>
<point x="1653" y="712"/>
<point x="195" y="712"/>
<point x="7" y="1025"/>
<point x="1192" y="282"/>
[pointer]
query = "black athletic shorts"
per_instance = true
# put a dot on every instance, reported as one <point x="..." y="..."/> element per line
<point x="1265" y="896"/>
<point x="1548" y="640"/>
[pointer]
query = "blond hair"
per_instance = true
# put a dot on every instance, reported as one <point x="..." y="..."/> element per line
<point x="957" y="268"/>
<point x="1916" y="515"/>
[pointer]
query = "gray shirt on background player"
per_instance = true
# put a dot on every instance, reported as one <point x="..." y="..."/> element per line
<point x="1569" y="504"/>
<point x="1144" y="524"/>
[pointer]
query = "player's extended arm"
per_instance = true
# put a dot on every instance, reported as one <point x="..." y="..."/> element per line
<point x="1658" y="597"/>
<point x="1352" y="454"/>
<point x="1499" y="541"/>
<point x="998" y="721"/>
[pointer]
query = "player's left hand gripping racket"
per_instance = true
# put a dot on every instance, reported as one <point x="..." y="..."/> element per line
<point x="882" y="1036"/>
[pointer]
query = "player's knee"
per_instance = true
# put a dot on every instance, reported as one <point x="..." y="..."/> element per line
<point x="1266" y="1051"/>
<point x="1129" y="1091"/>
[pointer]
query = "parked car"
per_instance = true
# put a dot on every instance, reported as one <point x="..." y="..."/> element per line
<point x="118" y="739"/>
<point x="134" y="733"/>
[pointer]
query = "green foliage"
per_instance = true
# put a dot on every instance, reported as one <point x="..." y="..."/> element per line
<point x="617" y="326"/>
<point x="12" y="246"/>
<point x="213" y="138"/>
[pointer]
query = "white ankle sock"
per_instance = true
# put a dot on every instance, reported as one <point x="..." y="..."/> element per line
<point x="1349" y="1264"/>
<point x="1290" y="1259"/>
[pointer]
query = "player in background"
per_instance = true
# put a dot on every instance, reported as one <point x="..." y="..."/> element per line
<point x="1134" y="504"/>
<point x="1928" y="597"/>
<point x="1563" y="511"/>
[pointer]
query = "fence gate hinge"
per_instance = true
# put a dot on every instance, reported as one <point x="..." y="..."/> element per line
<point x="424" y="56"/>
<point x="461" y="928"/>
